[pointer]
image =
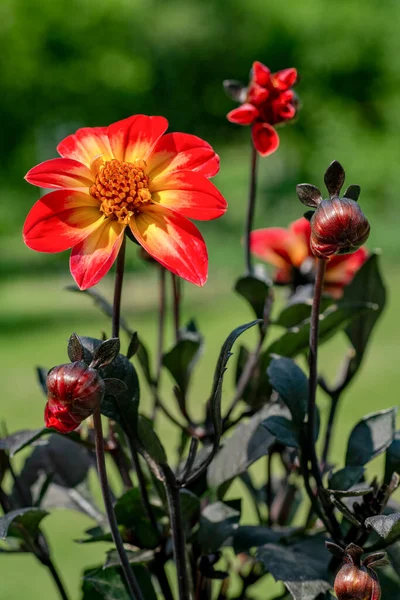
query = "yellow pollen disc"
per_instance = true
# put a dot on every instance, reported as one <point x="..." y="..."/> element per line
<point x="122" y="188"/>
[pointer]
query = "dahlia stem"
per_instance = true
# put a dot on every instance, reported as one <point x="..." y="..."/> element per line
<point x="161" y="324"/>
<point x="119" y="278"/>
<point x="56" y="577"/>
<point x="250" y="210"/>
<point x="329" y="427"/>
<point x="313" y="355"/>
<point x="133" y="587"/>
<point x="178" y="534"/>
<point x="177" y="295"/>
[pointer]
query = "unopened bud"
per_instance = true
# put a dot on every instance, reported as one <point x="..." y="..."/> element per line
<point x="74" y="393"/>
<point x="338" y="226"/>
<point x="356" y="579"/>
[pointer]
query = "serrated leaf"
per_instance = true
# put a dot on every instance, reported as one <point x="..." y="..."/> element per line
<point x="249" y="442"/>
<point x="367" y="285"/>
<point x="333" y="319"/>
<point x="283" y="430"/>
<point x="386" y="526"/>
<point x="29" y="518"/>
<point x="218" y="522"/>
<point x="134" y="557"/>
<point x="20" y="439"/>
<point x="392" y="464"/>
<point x="345" y="478"/>
<point x="370" y="437"/>
<point x="181" y="359"/>
<point x="255" y="290"/>
<point x="303" y="567"/>
<point x="292" y="386"/>
<point x="150" y="441"/>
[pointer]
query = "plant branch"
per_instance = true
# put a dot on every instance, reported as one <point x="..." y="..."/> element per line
<point x="329" y="428"/>
<point x="134" y="589"/>
<point x="178" y="533"/>
<point x="119" y="277"/>
<point x="177" y="296"/>
<point x="142" y="486"/>
<point x="250" y="209"/>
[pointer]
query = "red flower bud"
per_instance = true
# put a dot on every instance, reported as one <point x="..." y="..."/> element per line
<point x="356" y="579"/>
<point x="338" y="226"/>
<point x="74" y="392"/>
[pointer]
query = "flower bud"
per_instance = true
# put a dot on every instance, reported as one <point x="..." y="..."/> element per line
<point x="74" y="393"/>
<point x="356" y="579"/>
<point x="338" y="226"/>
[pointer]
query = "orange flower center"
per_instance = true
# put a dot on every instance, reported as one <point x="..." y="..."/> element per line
<point x="122" y="188"/>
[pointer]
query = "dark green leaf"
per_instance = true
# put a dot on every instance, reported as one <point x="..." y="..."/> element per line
<point x="368" y="286"/>
<point x="134" y="557"/>
<point x="394" y="556"/>
<point x="255" y="290"/>
<point x="133" y="345"/>
<point x="150" y="441"/>
<point x="284" y="430"/>
<point x="345" y="478"/>
<point x="253" y="536"/>
<point x="249" y="442"/>
<point x="386" y="526"/>
<point x="144" y="360"/>
<point x="75" y="348"/>
<point x="218" y="522"/>
<point x="19" y="440"/>
<point x="106" y="353"/>
<point x="181" y="359"/>
<point x="370" y="437"/>
<point x="28" y="518"/>
<point x="352" y="192"/>
<point x="42" y="378"/>
<point x="130" y="513"/>
<point x="297" y="312"/>
<point x="392" y="464"/>
<point x="334" y="318"/>
<point x="108" y="584"/>
<point x="292" y="386"/>
<point x="190" y="506"/>
<point x="303" y="567"/>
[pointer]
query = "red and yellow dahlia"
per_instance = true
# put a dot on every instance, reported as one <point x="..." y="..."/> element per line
<point x="289" y="251"/>
<point x="130" y="174"/>
<point x="267" y="101"/>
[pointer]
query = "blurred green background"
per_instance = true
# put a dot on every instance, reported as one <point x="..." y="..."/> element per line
<point x="64" y="65"/>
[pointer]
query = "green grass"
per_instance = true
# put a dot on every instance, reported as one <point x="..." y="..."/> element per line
<point x="36" y="321"/>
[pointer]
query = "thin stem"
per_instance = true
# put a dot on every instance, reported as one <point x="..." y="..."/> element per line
<point x="159" y="570"/>
<point x="161" y="323"/>
<point x="56" y="577"/>
<point x="250" y="209"/>
<point x="133" y="587"/>
<point x="142" y="486"/>
<point x="178" y="534"/>
<point x="119" y="277"/>
<point x="329" y="428"/>
<point x="269" y="488"/>
<point x="177" y="296"/>
<point x="313" y="377"/>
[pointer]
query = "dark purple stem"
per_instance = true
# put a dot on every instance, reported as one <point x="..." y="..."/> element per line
<point x="119" y="278"/>
<point x="250" y="209"/>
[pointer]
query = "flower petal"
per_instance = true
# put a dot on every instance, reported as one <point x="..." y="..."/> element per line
<point x="182" y="151"/>
<point x="265" y="138"/>
<point x="173" y="241"/>
<point x="274" y="245"/>
<point x="261" y="74"/>
<point x="340" y="269"/>
<point x="285" y="79"/>
<point x="60" y="220"/>
<point x="190" y="194"/>
<point x="257" y="94"/>
<point x="243" y="115"/>
<point x="92" y="258"/>
<point x="85" y="145"/>
<point x="60" y="173"/>
<point x="135" y="137"/>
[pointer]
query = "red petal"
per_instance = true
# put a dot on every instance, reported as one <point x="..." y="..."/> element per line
<point x="93" y="257"/>
<point x="135" y="137"/>
<point x="85" y="145"/>
<point x="60" y="220"/>
<point x="60" y="173"/>
<point x="261" y="74"/>
<point x="59" y="419"/>
<point x="257" y="94"/>
<point x="265" y="138"/>
<point x="287" y="112"/>
<point x="341" y="269"/>
<point x="274" y="245"/>
<point x="244" y="115"/>
<point x="190" y="194"/>
<point x="173" y="241"/>
<point x="181" y="151"/>
<point x="302" y="230"/>
<point x="285" y="79"/>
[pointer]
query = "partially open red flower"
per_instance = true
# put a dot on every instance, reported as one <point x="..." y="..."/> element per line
<point x="267" y="101"/>
<point x="289" y="251"/>
<point x="126" y="175"/>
